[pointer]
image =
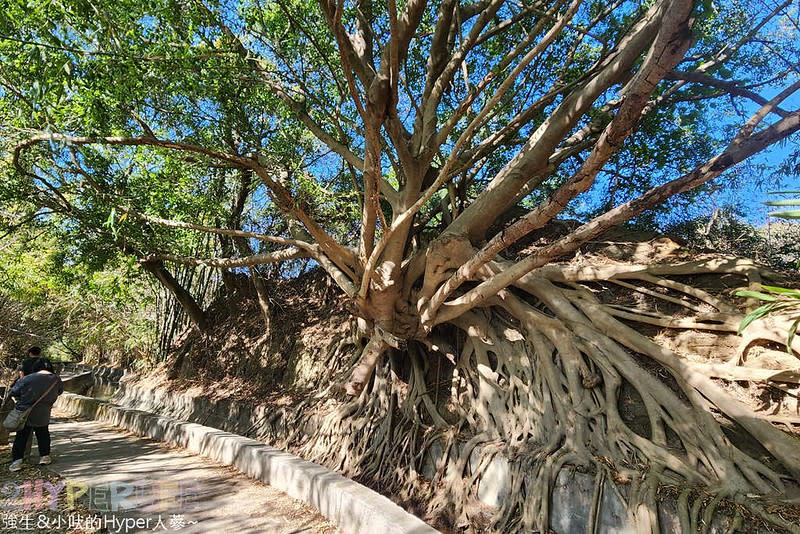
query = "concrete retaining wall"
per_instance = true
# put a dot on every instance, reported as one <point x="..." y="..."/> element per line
<point x="112" y="374"/>
<point x="352" y="507"/>
<point x="233" y="416"/>
<point x="571" y="499"/>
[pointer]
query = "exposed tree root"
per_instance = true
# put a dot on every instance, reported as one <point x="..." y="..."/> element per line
<point x="550" y="376"/>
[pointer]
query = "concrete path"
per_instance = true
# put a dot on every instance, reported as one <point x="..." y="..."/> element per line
<point x="138" y="485"/>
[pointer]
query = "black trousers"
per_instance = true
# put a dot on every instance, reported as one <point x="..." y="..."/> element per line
<point x="21" y="439"/>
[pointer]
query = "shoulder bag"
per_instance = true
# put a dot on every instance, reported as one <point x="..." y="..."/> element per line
<point x="16" y="419"/>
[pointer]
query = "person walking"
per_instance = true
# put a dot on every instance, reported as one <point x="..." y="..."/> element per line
<point x="38" y="387"/>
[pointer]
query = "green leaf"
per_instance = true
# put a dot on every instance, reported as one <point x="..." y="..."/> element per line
<point x="111" y="216"/>
<point x="793" y="214"/>
<point x="785" y="202"/>
<point x="752" y="316"/>
<point x="784" y="305"/>
<point x="794" y="293"/>
<point x="791" y="334"/>
<point x="756" y="295"/>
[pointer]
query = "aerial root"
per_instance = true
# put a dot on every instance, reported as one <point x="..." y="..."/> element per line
<point x="555" y="380"/>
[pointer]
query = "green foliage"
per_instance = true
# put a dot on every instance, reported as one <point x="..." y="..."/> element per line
<point x="70" y="309"/>
<point x="248" y="79"/>
<point x="778" y="301"/>
<point x="786" y="214"/>
<point x="153" y="63"/>
<point x="727" y="231"/>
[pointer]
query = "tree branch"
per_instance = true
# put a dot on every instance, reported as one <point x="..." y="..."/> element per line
<point x="533" y="157"/>
<point x="233" y="159"/>
<point x="425" y="126"/>
<point x="507" y="83"/>
<point x="280" y="194"/>
<point x="741" y="148"/>
<point x="731" y="88"/>
<point x="351" y="61"/>
<point x="292" y="253"/>
<point x="212" y="230"/>
<point x="669" y="47"/>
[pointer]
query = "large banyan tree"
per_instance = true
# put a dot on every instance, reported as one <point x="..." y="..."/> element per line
<point x="411" y="150"/>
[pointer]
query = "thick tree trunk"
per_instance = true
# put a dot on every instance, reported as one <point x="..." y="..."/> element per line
<point x="181" y="294"/>
<point x="263" y="299"/>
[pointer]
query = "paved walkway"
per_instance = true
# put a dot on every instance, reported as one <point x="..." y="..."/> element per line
<point x="142" y="485"/>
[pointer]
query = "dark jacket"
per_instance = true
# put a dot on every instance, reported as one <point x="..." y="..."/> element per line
<point x="29" y="388"/>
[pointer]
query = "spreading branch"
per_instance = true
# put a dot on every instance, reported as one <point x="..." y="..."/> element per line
<point x="741" y="148"/>
<point x="292" y="253"/>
